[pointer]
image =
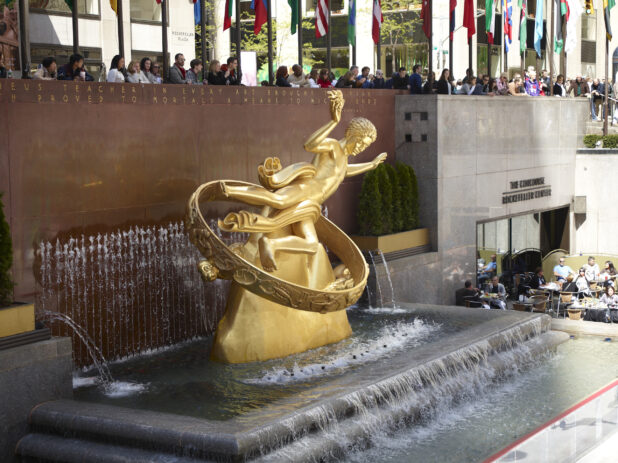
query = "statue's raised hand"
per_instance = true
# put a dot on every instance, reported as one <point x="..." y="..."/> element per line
<point x="336" y="104"/>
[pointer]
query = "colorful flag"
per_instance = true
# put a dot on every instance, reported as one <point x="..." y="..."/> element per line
<point x="507" y="8"/>
<point x="321" y="19"/>
<point x="352" y="23"/>
<point x="227" y="19"/>
<point x="294" y="20"/>
<point x="377" y="20"/>
<point x="560" y="12"/>
<point x="197" y="11"/>
<point x="574" y="11"/>
<point x="490" y="20"/>
<point x="608" y="5"/>
<point x="469" y="18"/>
<point x="260" y="8"/>
<point x="538" y="26"/>
<point x="68" y="2"/>
<point x="523" y="29"/>
<point x="426" y="17"/>
<point x="451" y="28"/>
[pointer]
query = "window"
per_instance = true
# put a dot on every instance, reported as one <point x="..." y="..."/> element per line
<point x="84" y="7"/>
<point x="589" y="27"/>
<point x="145" y="10"/>
<point x="92" y="56"/>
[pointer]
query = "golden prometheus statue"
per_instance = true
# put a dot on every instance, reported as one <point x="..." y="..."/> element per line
<point x="285" y="295"/>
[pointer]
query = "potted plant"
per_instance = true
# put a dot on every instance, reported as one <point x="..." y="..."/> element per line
<point x="388" y="210"/>
<point x="15" y="318"/>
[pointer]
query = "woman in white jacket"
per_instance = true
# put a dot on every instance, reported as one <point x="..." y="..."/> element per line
<point x="115" y="73"/>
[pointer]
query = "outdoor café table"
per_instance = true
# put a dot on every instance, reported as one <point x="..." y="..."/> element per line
<point x="491" y="299"/>
<point x="551" y="286"/>
<point x="595" y="313"/>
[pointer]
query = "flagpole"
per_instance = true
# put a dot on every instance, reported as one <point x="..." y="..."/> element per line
<point x="238" y="36"/>
<point x="354" y="55"/>
<point x="203" y="36"/>
<point x="430" y="38"/>
<point x="24" y="38"/>
<point x="328" y="43"/>
<point x="553" y="48"/>
<point x="74" y="20"/>
<point x="299" y="31"/>
<point x="379" y="51"/>
<point x="120" y="27"/>
<point x="605" y="107"/>
<point x="270" y="40"/>
<point x="166" y="58"/>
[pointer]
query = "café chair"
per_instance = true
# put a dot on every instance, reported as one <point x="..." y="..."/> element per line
<point x="520" y="307"/>
<point x="540" y="306"/>
<point x="471" y="303"/>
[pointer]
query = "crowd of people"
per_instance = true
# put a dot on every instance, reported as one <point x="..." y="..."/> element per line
<point x="419" y="81"/>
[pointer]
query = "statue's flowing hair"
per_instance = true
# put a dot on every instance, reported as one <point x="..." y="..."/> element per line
<point x="361" y="127"/>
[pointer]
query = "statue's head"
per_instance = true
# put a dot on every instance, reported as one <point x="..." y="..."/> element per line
<point x="359" y="135"/>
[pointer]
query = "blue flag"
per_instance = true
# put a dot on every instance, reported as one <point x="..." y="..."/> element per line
<point x="352" y="22"/>
<point x="538" y="27"/>
<point x="197" y="12"/>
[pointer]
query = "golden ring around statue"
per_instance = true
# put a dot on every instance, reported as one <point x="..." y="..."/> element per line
<point x="231" y="266"/>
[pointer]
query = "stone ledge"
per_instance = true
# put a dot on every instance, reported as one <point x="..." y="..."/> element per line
<point x="601" y="151"/>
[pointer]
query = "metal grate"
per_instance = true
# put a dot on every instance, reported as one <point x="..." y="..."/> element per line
<point x="589" y="51"/>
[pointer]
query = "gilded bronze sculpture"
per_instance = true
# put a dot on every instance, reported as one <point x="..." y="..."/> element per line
<point x="285" y="296"/>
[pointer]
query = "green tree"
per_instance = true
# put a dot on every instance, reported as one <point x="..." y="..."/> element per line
<point x="369" y="206"/>
<point x="386" y="194"/>
<point x="399" y="25"/>
<point x="408" y="190"/>
<point x="6" y="260"/>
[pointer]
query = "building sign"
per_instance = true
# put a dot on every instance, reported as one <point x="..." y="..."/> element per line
<point x="182" y="36"/>
<point x="9" y="35"/>
<point x="525" y="190"/>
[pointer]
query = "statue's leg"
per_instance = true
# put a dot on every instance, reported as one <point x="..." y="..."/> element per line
<point x="307" y="243"/>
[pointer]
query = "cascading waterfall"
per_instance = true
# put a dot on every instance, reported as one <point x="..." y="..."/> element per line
<point x="130" y="290"/>
<point x="380" y="296"/>
<point x="392" y="303"/>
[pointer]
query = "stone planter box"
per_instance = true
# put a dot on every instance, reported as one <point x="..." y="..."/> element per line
<point x="16" y="319"/>
<point x="393" y="242"/>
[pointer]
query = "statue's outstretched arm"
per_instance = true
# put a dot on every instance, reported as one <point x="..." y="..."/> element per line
<point x="362" y="167"/>
<point x="318" y="142"/>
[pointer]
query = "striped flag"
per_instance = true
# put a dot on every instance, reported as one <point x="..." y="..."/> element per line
<point x="508" y="24"/>
<point x="426" y="17"/>
<point x="469" y="18"/>
<point x="490" y="20"/>
<point x="377" y="20"/>
<point x="321" y="19"/>
<point x="451" y="28"/>
<point x="523" y="30"/>
<point x="574" y="11"/>
<point x="352" y="23"/>
<point x="227" y="19"/>
<point x="608" y="5"/>
<point x="561" y="12"/>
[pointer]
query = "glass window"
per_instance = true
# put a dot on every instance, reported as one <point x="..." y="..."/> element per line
<point x="145" y="10"/>
<point x="92" y="57"/>
<point x="60" y="6"/>
<point x="589" y="27"/>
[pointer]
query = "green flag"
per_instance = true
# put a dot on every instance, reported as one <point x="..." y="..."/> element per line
<point x="352" y="23"/>
<point x="608" y="5"/>
<point x="523" y="31"/>
<point x="69" y="4"/>
<point x="294" y="22"/>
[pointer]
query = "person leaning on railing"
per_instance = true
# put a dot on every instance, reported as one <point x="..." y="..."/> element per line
<point x="48" y="69"/>
<point x="215" y="76"/>
<point x="116" y="70"/>
<point x="74" y="70"/>
<point x="146" y="75"/>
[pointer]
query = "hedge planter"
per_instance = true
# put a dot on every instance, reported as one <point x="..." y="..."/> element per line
<point x="393" y="242"/>
<point x="16" y="319"/>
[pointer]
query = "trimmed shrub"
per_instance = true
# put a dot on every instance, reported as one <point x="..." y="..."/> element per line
<point x="386" y="194"/>
<point x="397" y="214"/>
<point x="590" y="141"/>
<point x="610" y="141"/>
<point x="6" y="260"/>
<point x="369" y="206"/>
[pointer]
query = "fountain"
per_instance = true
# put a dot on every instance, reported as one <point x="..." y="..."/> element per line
<point x="296" y="370"/>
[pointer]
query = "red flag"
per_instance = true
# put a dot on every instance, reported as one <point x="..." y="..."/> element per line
<point x="452" y="18"/>
<point x="426" y="17"/>
<point x="469" y="19"/>
<point x="321" y="19"/>
<point x="227" y="18"/>
<point x="261" y="14"/>
<point x="378" y="19"/>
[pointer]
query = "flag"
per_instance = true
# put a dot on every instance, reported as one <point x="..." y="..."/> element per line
<point x="469" y="18"/>
<point x="507" y="8"/>
<point x="377" y="20"/>
<point x="452" y="19"/>
<point x="197" y="11"/>
<point x="227" y="19"/>
<point x="352" y="23"/>
<point x="490" y="20"/>
<point x="608" y="5"/>
<point x="321" y="19"/>
<point x="574" y="11"/>
<point x="560" y="12"/>
<point x="68" y="2"/>
<point x="538" y="26"/>
<point x="426" y="17"/>
<point x="294" y="22"/>
<point x="523" y="29"/>
<point x="112" y="3"/>
<point x="260" y="9"/>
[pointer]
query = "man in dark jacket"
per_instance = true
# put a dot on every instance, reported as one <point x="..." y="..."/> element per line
<point x="73" y="70"/>
<point x="400" y="79"/>
<point x="416" y="81"/>
<point x="467" y="292"/>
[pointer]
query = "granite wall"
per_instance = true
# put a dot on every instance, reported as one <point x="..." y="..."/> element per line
<point x="481" y="159"/>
